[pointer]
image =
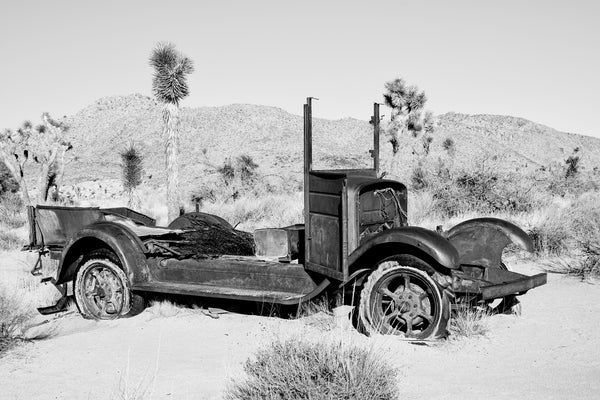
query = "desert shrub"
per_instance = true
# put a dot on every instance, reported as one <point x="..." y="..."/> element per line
<point x="448" y="144"/>
<point x="480" y="190"/>
<point x="227" y="171"/>
<point x="251" y="212"/>
<point x="8" y="183"/>
<point x="12" y="210"/>
<point x="549" y="237"/>
<point x="584" y="267"/>
<point x="591" y="263"/>
<point x="468" y="322"/>
<point x="12" y="320"/>
<point x="246" y="167"/>
<point x="418" y="178"/>
<point x="297" y="369"/>
<point x="10" y="241"/>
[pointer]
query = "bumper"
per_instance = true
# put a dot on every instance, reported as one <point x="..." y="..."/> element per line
<point x="493" y="283"/>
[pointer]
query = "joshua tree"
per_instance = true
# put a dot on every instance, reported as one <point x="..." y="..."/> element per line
<point x="45" y="144"/>
<point x="407" y="103"/>
<point x="169" y="86"/>
<point x="132" y="169"/>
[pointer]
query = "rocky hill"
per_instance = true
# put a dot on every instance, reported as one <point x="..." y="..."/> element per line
<point x="273" y="138"/>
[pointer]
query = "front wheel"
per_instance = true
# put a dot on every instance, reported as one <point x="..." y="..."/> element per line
<point x="101" y="288"/>
<point x="403" y="300"/>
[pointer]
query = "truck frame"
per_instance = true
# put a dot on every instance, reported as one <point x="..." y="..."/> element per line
<point x="355" y="239"/>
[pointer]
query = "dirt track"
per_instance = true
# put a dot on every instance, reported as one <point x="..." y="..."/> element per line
<point x="551" y="351"/>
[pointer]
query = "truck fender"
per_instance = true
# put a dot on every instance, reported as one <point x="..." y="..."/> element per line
<point x="480" y="241"/>
<point x="413" y="240"/>
<point x="116" y="237"/>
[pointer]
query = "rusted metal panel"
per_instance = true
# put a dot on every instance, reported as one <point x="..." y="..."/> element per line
<point x="516" y="286"/>
<point x="326" y="183"/>
<point x="376" y="119"/>
<point x="493" y="283"/>
<point x="234" y="273"/>
<point x="55" y="225"/>
<point x="325" y="203"/>
<point x="130" y="214"/>
<point x="481" y="241"/>
<point x="266" y="296"/>
<point x="325" y="241"/>
<point x="271" y="242"/>
<point x="284" y="244"/>
<point x="122" y="241"/>
<point x="411" y="237"/>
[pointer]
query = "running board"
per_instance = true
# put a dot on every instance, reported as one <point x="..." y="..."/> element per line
<point x="203" y="290"/>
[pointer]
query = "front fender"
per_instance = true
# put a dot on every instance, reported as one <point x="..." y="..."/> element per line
<point x="116" y="237"/>
<point x="410" y="239"/>
<point x="480" y="241"/>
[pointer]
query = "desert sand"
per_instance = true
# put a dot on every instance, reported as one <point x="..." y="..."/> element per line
<point x="551" y="351"/>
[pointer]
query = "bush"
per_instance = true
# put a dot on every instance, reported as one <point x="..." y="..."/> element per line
<point x="10" y="241"/>
<point x="8" y="184"/>
<point x="549" y="237"/>
<point x="250" y="212"/>
<point x="12" y="320"/>
<point x="480" y="190"/>
<point x="296" y="369"/>
<point x="469" y="322"/>
<point x="12" y="211"/>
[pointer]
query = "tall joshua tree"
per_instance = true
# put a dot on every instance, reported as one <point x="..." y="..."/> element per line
<point x="169" y="86"/>
<point x="407" y="117"/>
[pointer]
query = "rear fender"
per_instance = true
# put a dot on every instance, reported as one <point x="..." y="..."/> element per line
<point x="427" y="245"/>
<point x="480" y="241"/>
<point x="108" y="235"/>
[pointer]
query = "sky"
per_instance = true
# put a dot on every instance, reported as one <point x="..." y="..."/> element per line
<point x="533" y="59"/>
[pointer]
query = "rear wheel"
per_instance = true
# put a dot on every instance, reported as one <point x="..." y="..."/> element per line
<point x="402" y="300"/>
<point x="101" y="288"/>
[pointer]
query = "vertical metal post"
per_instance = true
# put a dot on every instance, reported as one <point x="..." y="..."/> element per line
<point x="307" y="169"/>
<point x="376" y="138"/>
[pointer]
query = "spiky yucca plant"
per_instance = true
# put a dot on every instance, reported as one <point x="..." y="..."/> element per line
<point x="170" y="86"/>
<point x="132" y="169"/>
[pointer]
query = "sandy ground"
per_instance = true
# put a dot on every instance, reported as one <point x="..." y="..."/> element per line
<point x="552" y="351"/>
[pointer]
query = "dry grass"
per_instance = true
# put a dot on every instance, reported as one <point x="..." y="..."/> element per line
<point x="9" y="240"/>
<point x="20" y="295"/>
<point x="299" y="369"/>
<point x="250" y="213"/>
<point x="586" y="267"/>
<point x="468" y="322"/>
<point x="13" y="320"/>
<point x="12" y="211"/>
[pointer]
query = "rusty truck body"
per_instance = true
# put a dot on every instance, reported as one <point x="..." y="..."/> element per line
<point x="354" y="238"/>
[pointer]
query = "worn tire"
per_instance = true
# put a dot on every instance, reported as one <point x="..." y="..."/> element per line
<point x="431" y="316"/>
<point x="103" y="276"/>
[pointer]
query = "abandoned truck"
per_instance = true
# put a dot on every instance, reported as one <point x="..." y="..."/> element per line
<point x="355" y="239"/>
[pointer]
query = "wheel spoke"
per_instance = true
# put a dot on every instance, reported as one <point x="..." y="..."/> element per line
<point x="428" y="317"/>
<point x="388" y="318"/>
<point x="406" y="282"/>
<point x="409" y="326"/>
<point x="388" y="293"/>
